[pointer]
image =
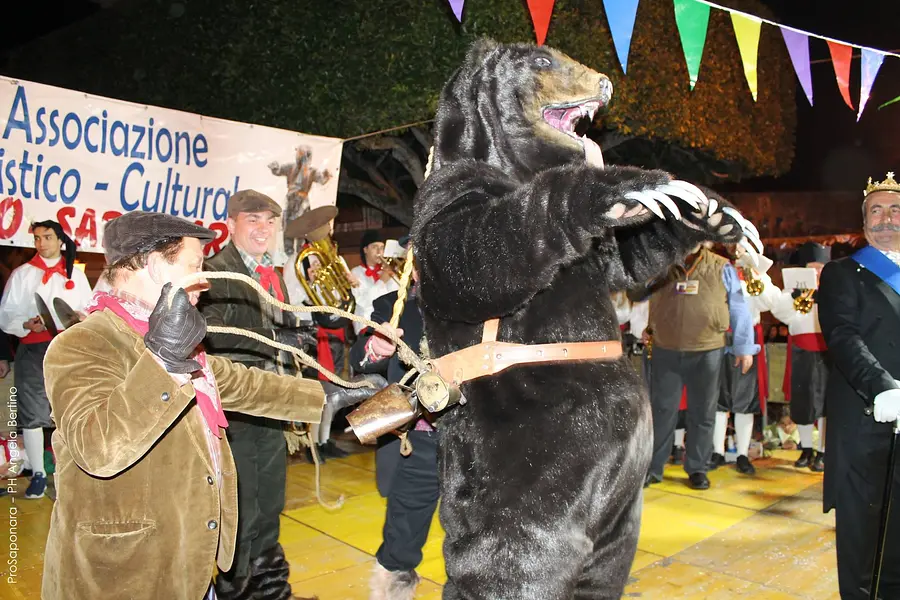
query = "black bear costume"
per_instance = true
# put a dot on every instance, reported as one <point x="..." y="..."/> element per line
<point x="542" y="469"/>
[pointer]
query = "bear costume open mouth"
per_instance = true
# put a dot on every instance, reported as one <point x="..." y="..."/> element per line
<point x="572" y="119"/>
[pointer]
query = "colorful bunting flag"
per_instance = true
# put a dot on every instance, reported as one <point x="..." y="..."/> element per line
<point x="746" y="30"/>
<point x="457" y="6"/>
<point x="620" y="14"/>
<point x="871" y="62"/>
<point x="540" y="10"/>
<point x="889" y="102"/>
<point x="840" y="56"/>
<point x="692" y="19"/>
<point x="797" y="44"/>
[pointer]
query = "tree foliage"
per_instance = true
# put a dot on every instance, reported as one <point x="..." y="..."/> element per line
<point x="341" y="68"/>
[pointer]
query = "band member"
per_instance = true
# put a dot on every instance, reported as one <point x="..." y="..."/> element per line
<point x="808" y="362"/>
<point x="410" y="483"/>
<point x="375" y="279"/>
<point x="49" y="275"/>
<point x="136" y="400"/>
<point x="859" y="308"/>
<point x="742" y="391"/>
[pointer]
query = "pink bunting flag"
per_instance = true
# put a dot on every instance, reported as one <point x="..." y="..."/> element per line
<point x="841" y="54"/>
<point x="540" y="10"/>
<point x="797" y="44"/>
<point x="457" y="6"/>
<point x="871" y="62"/>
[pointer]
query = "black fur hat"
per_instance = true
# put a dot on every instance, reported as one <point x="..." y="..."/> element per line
<point x="811" y="252"/>
<point x="370" y="236"/>
<point x="69" y="250"/>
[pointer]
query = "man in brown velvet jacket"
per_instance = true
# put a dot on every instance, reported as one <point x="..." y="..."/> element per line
<point x="147" y="495"/>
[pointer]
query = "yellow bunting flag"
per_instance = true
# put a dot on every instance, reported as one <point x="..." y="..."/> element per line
<point x="746" y="30"/>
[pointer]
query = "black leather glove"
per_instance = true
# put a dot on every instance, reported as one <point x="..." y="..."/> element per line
<point x="175" y="331"/>
<point x="297" y="337"/>
<point x="338" y="397"/>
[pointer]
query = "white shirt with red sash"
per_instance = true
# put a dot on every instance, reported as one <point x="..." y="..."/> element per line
<point x="47" y="279"/>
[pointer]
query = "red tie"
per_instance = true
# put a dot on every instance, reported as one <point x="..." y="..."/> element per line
<point x="58" y="268"/>
<point x="373" y="272"/>
<point x="268" y="278"/>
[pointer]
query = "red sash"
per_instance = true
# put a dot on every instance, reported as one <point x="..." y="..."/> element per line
<point x="36" y="338"/>
<point x="323" y="348"/>
<point x="762" y="368"/>
<point x="811" y="342"/>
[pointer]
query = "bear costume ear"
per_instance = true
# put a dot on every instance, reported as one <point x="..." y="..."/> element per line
<point x="479" y="51"/>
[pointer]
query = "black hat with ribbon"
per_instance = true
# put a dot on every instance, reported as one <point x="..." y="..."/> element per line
<point x="69" y="250"/>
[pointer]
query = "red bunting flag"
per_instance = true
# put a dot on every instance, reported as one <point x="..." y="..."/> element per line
<point x="541" y="10"/>
<point x="841" y="55"/>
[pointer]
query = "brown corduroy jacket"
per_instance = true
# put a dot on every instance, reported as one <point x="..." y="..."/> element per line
<point x="139" y="513"/>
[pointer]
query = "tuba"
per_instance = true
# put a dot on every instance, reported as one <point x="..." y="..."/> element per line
<point x="331" y="285"/>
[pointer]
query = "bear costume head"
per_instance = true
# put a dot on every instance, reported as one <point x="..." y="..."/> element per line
<point x="517" y="108"/>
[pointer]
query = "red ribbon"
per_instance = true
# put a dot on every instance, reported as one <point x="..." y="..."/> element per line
<point x="57" y="269"/>
<point x="268" y="278"/>
<point x="762" y="368"/>
<point x="212" y="412"/>
<point x="323" y="349"/>
<point x="373" y="272"/>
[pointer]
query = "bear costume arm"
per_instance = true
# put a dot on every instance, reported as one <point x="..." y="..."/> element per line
<point x="486" y="244"/>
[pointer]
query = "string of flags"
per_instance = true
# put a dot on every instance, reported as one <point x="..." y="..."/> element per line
<point x="692" y="20"/>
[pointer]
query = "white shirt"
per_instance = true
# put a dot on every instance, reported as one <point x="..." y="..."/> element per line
<point x="366" y="293"/>
<point x="18" y="304"/>
<point x="770" y="295"/>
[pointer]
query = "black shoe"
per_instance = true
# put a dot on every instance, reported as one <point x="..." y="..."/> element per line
<point x="806" y="457"/>
<point x="745" y="466"/>
<point x="698" y="481"/>
<point x="716" y="461"/>
<point x="818" y="465"/>
<point x="651" y="479"/>
<point x="677" y="455"/>
<point x="330" y="450"/>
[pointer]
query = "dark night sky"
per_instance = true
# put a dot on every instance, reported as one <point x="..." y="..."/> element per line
<point x="834" y="152"/>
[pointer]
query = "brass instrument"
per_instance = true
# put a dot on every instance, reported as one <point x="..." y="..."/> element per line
<point x="805" y="301"/>
<point x="331" y="285"/>
<point x="394" y="258"/>
<point x="755" y="286"/>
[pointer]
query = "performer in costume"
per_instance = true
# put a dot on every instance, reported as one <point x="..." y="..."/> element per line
<point x="808" y="362"/>
<point x="859" y="308"/>
<point x="375" y="279"/>
<point x="133" y="395"/>
<point x="741" y="391"/>
<point x="410" y="483"/>
<point x="50" y="275"/>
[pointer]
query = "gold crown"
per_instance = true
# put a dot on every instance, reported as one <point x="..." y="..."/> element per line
<point x="888" y="185"/>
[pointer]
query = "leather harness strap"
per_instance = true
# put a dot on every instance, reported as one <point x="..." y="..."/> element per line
<point x="490" y="356"/>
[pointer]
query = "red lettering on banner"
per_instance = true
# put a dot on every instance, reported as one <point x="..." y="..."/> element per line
<point x="87" y="229"/>
<point x="214" y="246"/>
<point x="10" y="204"/>
<point x="63" y="215"/>
<point x="110" y="215"/>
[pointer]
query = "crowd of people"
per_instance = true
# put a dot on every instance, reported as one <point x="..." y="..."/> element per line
<point x="135" y="385"/>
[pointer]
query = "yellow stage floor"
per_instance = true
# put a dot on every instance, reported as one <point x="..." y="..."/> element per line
<point x="763" y="537"/>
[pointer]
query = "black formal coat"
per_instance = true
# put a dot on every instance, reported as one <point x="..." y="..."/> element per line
<point x="860" y="318"/>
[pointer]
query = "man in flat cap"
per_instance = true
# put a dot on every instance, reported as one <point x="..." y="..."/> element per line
<point x="260" y="570"/>
<point x="147" y="492"/>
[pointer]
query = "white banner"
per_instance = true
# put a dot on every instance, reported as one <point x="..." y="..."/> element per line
<point x="83" y="160"/>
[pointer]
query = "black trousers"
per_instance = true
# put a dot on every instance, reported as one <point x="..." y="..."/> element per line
<point x="260" y="456"/>
<point x="858" y="515"/>
<point x="809" y="378"/>
<point x="412" y="491"/>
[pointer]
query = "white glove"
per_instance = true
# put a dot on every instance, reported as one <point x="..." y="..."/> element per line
<point x="887" y="406"/>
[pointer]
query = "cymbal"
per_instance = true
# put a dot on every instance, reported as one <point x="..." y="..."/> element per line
<point x="309" y="223"/>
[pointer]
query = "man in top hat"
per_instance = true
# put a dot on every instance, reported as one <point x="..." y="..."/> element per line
<point x="147" y="499"/>
<point x="49" y="275"/>
<point x="859" y="308"/>
<point x="375" y="279"/>
<point x="808" y="362"/>
<point x="260" y="570"/>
